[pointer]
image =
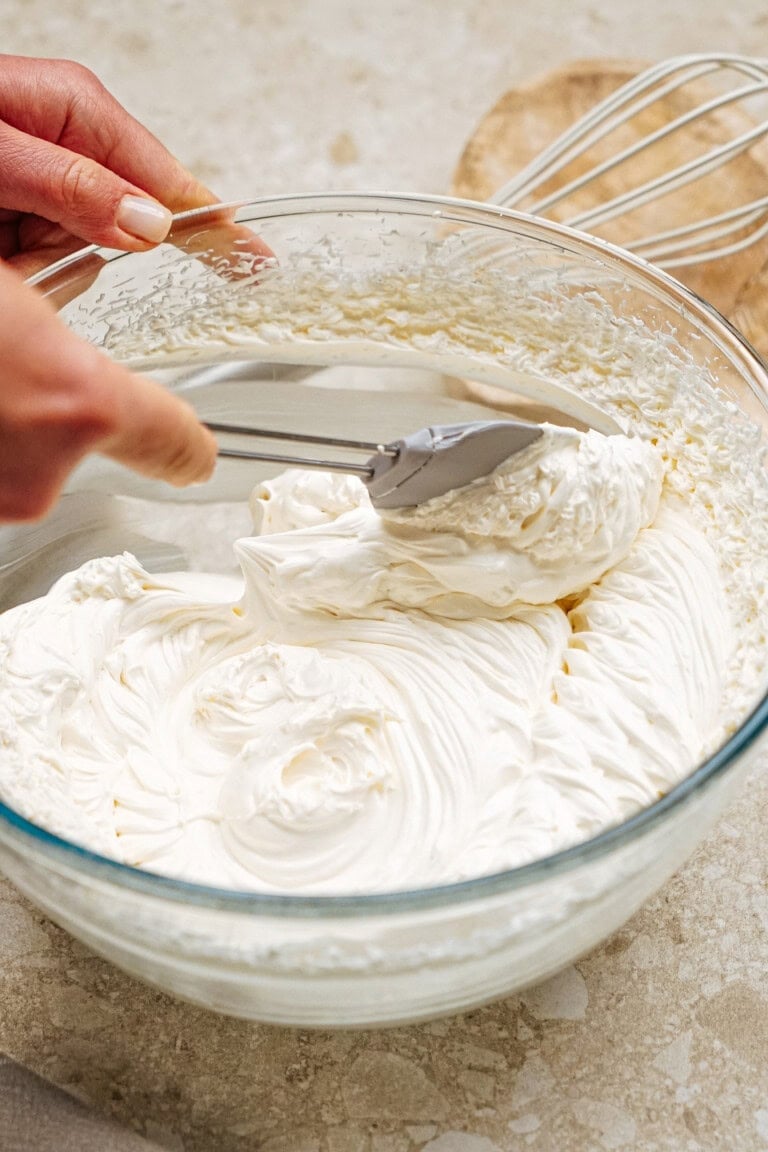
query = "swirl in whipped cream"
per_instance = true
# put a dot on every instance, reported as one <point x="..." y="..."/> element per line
<point x="391" y="702"/>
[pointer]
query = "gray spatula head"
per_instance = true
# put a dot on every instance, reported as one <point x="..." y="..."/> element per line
<point x="435" y="460"/>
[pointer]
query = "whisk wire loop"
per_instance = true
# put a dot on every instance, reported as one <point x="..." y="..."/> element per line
<point x="697" y="242"/>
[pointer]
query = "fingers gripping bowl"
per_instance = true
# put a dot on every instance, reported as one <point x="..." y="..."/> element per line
<point x="382" y="315"/>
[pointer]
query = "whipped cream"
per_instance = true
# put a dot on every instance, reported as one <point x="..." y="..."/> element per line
<point x="387" y="701"/>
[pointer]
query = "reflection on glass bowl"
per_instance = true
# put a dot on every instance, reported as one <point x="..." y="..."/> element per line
<point x="374" y="317"/>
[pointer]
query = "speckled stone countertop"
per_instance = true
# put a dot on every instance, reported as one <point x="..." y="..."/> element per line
<point x="656" y="1041"/>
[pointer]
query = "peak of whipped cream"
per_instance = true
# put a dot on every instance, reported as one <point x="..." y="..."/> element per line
<point x="544" y="525"/>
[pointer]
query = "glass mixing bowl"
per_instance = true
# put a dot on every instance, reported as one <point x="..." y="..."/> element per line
<point x="384" y="312"/>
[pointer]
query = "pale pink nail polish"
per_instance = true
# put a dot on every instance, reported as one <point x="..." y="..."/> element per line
<point x="145" y="219"/>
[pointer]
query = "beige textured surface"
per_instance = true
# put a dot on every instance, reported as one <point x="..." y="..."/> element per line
<point x="659" y="1040"/>
<point x="36" y="1115"/>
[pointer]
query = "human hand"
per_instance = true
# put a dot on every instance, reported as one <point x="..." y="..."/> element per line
<point x="61" y="398"/>
<point x="74" y="168"/>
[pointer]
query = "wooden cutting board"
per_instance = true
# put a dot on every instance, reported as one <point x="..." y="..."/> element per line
<point x="532" y="115"/>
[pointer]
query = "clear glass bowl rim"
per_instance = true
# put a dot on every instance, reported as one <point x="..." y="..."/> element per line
<point x="450" y="209"/>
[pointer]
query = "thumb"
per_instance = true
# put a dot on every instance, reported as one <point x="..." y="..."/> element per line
<point x="77" y="193"/>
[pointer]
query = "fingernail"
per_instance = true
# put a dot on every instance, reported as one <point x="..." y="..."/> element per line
<point x="145" y="219"/>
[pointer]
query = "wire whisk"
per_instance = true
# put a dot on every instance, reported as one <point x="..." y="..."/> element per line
<point x="740" y="80"/>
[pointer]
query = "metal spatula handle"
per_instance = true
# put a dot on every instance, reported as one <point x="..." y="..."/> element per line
<point x="299" y="438"/>
<point x="409" y="471"/>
